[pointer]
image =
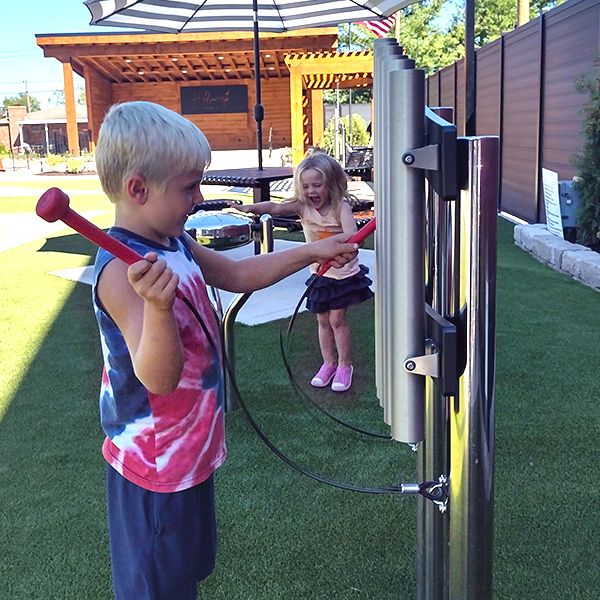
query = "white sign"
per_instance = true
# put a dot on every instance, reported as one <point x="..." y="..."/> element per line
<point x="552" y="203"/>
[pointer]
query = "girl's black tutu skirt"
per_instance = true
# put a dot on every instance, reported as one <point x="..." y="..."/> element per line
<point x="326" y="293"/>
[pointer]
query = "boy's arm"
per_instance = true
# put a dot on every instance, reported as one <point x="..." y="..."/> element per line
<point x="277" y="209"/>
<point x="256" y="272"/>
<point x="140" y="301"/>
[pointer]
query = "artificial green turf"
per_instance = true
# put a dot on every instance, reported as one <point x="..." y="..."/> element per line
<point x="283" y="535"/>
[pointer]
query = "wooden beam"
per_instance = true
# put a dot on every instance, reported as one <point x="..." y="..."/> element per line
<point x="72" y="131"/>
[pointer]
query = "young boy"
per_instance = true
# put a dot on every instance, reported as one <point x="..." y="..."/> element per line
<point x="161" y="399"/>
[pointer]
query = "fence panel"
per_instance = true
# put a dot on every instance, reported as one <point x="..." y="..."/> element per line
<point x="488" y="88"/>
<point x="571" y="45"/>
<point x="520" y="118"/>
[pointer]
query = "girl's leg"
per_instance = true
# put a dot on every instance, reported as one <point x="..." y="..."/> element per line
<point x="327" y="340"/>
<point x="341" y="335"/>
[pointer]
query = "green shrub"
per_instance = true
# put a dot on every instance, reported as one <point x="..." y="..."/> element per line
<point x="587" y="162"/>
<point x="74" y="164"/>
<point x="360" y="135"/>
<point x="53" y="160"/>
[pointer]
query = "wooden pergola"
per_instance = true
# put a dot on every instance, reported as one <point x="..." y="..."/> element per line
<point x="118" y="67"/>
<point x="312" y="73"/>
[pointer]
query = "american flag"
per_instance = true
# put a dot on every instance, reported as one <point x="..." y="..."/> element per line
<point x="380" y="28"/>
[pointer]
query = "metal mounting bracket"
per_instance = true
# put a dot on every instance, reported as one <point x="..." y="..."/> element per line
<point x="427" y="157"/>
<point x="428" y="364"/>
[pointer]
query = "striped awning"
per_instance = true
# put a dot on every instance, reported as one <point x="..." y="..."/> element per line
<point x="176" y="16"/>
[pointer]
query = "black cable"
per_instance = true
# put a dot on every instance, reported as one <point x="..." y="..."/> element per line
<point x="261" y="434"/>
<point x="299" y="390"/>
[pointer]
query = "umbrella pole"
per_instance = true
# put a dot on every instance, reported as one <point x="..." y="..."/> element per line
<point x="258" y="107"/>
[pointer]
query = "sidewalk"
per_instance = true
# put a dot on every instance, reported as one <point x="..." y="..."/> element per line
<point x="275" y="302"/>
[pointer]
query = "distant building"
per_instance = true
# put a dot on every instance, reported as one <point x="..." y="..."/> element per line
<point x="43" y="131"/>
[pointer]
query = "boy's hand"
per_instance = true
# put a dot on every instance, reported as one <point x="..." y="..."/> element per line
<point x="153" y="281"/>
<point x="336" y="250"/>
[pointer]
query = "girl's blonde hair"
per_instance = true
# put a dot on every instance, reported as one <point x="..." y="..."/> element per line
<point x="147" y="139"/>
<point x="334" y="176"/>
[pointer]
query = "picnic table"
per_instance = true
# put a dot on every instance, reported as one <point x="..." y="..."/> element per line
<point x="258" y="179"/>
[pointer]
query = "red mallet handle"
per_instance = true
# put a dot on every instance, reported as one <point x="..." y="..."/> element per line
<point x="358" y="238"/>
<point x="53" y="205"/>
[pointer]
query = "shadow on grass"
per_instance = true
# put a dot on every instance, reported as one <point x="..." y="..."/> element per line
<point x="53" y="540"/>
<point x="73" y="243"/>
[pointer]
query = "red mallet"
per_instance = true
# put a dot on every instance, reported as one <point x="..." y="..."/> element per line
<point x="53" y="205"/>
<point x="358" y="238"/>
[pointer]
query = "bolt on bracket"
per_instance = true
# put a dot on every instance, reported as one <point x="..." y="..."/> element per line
<point x="427" y="157"/>
<point x="428" y="364"/>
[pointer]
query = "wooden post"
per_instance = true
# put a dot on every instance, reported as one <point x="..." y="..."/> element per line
<point x="297" y="115"/>
<point x="72" y="131"/>
<point x="522" y="12"/>
<point x="318" y="116"/>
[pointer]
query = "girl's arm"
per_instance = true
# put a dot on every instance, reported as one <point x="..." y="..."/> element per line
<point x="140" y="301"/>
<point x="260" y="271"/>
<point x="347" y="219"/>
<point x="277" y="209"/>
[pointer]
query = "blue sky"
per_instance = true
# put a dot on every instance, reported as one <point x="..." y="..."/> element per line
<point x="21" y="59"/>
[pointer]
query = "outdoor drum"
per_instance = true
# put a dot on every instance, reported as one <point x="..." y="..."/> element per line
<point x="220" y="230"/>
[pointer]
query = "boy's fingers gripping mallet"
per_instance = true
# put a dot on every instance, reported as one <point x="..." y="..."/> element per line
<point x="358" y="238"/>
<point x="53" y="205"/>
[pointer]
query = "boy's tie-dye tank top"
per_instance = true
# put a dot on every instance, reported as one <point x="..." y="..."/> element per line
<point x="171" y="442"/>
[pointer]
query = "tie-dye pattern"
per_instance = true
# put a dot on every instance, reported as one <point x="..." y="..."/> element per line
<point x="172" y="442"/>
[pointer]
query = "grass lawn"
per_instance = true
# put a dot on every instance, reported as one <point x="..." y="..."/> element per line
<point x="283" y="535"/>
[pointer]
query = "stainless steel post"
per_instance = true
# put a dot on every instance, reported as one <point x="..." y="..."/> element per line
<point x="433" y="456"/>
<point x="228" y="321"/>
<point x="472" y="417"/>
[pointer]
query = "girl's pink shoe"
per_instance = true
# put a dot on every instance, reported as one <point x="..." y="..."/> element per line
<point x="324" y="376"/>
<point x="343" y="379"/>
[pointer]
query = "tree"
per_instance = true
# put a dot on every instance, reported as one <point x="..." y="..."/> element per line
<point x="22" y="99"/>
<point x="59" y="96"/>
<point x="432" y="31"/>
<point x="587" y="182"/>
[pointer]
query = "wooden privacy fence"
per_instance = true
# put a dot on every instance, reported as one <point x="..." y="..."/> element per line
<point x="525" y="93"/>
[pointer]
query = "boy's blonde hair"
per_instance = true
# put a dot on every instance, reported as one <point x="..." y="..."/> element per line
<point x="147" y="139"/>
<point x="334" y="176"/>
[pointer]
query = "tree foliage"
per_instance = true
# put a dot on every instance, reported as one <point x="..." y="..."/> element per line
<point x="359" y="137"/>
<point x="22" y="99"/>
<point x="587" y="182"/>
<point x="432" y="31"/>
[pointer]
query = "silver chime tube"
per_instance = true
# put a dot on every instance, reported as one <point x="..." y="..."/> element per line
<point x="400" y="317"/>
<point x="398" y="121"/>
<point x="386" y="53"/>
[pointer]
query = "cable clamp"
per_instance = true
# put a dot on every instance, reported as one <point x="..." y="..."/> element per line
<point x="436" y="491"/>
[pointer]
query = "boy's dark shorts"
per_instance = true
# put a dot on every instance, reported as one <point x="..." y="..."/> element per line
<point x="161" y="545"/>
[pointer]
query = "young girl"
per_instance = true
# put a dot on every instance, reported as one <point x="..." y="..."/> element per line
<point x="320" y="194"/>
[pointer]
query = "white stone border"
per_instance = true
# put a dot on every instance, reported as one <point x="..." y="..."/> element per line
<point x="575" y="260"/>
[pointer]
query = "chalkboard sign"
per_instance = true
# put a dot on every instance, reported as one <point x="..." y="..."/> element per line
<point x="211" y="99"/>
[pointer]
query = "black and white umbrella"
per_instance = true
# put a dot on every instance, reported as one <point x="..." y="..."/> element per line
<point x="179" y="16"/>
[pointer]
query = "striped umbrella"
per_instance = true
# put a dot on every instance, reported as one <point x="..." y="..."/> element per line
<point x="179" y="16"/>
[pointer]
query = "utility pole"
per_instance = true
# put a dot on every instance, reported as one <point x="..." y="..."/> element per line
<point x="27" y="97"/>
<point x="469" y="67"/>
<point x="522" y="12"/>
